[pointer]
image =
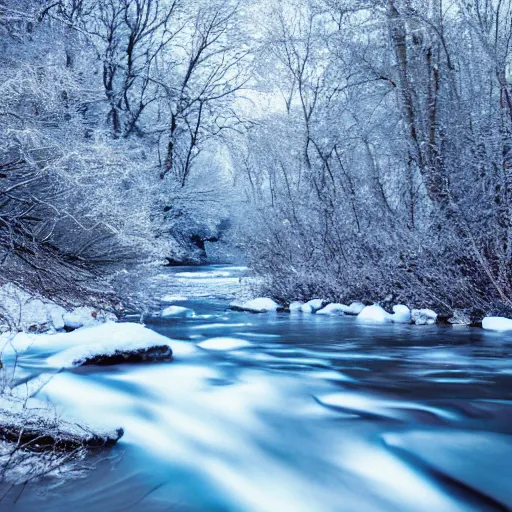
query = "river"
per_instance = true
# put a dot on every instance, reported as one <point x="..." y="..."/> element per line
<point x="309" y="413"/>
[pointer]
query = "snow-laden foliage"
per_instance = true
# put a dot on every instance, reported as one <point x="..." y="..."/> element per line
<point x="110" y="117"/>
<point x="381" y="169"/>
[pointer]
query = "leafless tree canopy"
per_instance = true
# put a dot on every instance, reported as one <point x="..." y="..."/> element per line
<point x="360" y="149"/>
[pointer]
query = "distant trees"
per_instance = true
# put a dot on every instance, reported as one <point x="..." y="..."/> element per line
<point x="382" y="173"/>
<point x="91" y="94"/>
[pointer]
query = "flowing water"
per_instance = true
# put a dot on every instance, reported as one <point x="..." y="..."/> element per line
<point x="291" y="412"/>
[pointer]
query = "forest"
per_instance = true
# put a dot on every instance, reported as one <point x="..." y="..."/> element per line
<point x="353" y="150"/>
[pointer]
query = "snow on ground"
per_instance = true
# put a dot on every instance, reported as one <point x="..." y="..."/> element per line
<point x="296" y="306"/>
<point x="374" y="314"/>
<point x="105" y="339"/>
<point x="312" y="306"/>
<point x="26" y="312"/>
<point x="402" y="314"/>
<point x="261" y="305"/>
<point x="174" y="298"/>
<point x="333" y="309"/>
<point x="223" y="344"/>
<point x="177" y="312"/>
<point x="355" y="308"/>
<point x="497" y="323"/>
<point x="423" y="316"/>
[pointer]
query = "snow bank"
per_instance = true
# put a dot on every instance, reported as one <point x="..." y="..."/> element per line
<point x="35" y="425"/>
<point x="223" y="344"/>
<point x="174" y="298"/>
<point x="296" y="306"/>
<point x="261" y="305"/>
<point x="177" y="312"/>
<point x="312" y="306"/>
<point x="115" y="342"/>
<point x="355" y="308"/>
<point x="374" y="314"/>
<point x="423" y="316"/>
<point x="497" y="323"/>
<point x="402" y="314"/>
<point x="333" y="309"/>
<point x="28" y="313"/>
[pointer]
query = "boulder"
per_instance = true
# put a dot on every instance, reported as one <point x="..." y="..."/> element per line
<point x="261" y="305"/>
<point x="497" y="323"/>
<point x="36" y="427"/>
<point x="295" y="306"/>
<point x="333" y="309"/>
<point x="355" y="308"/>
<point x="402" y="314"/>
<point x="374" y="314"/>
<point x="423" y="317"/>
<point x="313" y="306"/>
<point x="177" y="312"/>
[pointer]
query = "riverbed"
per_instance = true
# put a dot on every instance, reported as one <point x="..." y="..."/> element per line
<point x="289" y="412"/>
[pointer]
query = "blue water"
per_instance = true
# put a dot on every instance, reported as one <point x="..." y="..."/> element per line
<point x="313" y="414"/>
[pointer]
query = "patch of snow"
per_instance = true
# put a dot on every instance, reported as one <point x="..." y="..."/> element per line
<point x="312" y="306"/>
<point x="296" y="306"/>
<point x="497" y="323"/>
<point x="423" y="316"/>
<point x="177" y="312"/>
<point x="224" y="344"/>
<point x="174" y="298"/>
<point x="261" y="305"/>
<point x="86" y="316"/>
<point x="333" y="309"/>
<point x="355" y="308"/>
<point x="402" y="314"/>
<point x="104" y="339"/>
<point x="374" y="314"/>
<point x="55" y="315"/>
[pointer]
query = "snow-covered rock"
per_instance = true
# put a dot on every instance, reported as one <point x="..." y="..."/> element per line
<point x="333" y="309"/>
<point x="423" y="317"/>
<point x="177" y="312"/>
<point x="261" y="305"/>
<point x="402" y="314"/>
<point x="355" y="308"/>
<point x="374" y="314"/>
<point x="56" y="317"/>
<point x="497" y="323"/>
<point x="72" y="320"/>
<point x="174" y="298"/>
<point x="86" y="316"/>
<point x="296" y="306"/>
<point x="460" y="317"/>
<point x="35" y="425"/>
<point x="224" y="344"/>
<point x="109" y="343"/>
<point x="313" y="306"/>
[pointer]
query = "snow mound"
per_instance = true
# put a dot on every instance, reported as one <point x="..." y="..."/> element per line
<point x="174" y="298"/>
<point x="374" y="314"/>
<point x="177" y="312"/>
<point x="355" y="308"/>
<point x="261" y="305"/>
<point x="223" y="344"/>
<point x="86" y="317"/>
<point x="35" y="425"/>
<point x="497" y="323"/>
<point x="312" y="306"/>
<point x="333" y="309"/>
<point x="117" y="342"/>
<point x="423" y="316"/>
<point x="296" y="306"/>
<point x="402" y="314"/>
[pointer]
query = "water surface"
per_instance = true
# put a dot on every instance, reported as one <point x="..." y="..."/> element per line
<point x="302" y="413"/>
